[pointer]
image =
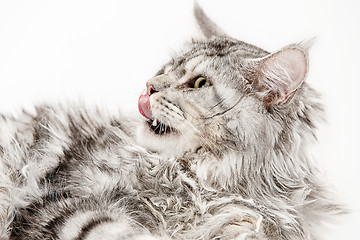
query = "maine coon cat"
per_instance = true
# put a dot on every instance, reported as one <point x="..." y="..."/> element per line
<point x="219" y="154"/>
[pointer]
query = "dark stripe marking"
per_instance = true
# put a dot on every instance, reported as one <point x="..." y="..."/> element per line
<point x="86" y="229"/>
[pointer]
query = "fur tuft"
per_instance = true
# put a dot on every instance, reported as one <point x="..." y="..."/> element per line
<point x="223" y="154"/>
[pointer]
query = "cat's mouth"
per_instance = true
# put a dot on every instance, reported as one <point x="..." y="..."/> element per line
<point x="156" y="126"/>
<point x="160" y="128"/>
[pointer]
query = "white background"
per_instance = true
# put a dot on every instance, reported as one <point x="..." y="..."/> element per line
<point x="105" y="51"/>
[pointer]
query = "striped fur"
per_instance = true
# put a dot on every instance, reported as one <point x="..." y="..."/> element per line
<point x="234" y="164"/>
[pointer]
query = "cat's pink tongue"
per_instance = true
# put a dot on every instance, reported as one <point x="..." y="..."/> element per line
<point x="144" y="106"/>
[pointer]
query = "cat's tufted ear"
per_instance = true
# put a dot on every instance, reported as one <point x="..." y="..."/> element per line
<point x="280" y="74"/>
<point x="207" y="26"/>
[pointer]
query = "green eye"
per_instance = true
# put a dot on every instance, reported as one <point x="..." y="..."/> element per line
<point x="201" y="82"/>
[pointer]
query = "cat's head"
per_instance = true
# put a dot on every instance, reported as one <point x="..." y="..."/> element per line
<point x="222" y="93"/>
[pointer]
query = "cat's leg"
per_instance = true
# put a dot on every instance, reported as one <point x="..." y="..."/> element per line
<point x="112" y="231"/>
<point x="104" y="227"/>
<point x="82" y="226"/>
<point x="237" y="221"/>
<point x="81" y="219"/>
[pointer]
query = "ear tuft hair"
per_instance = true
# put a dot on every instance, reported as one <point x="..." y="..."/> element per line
<point x="281" y="74"/>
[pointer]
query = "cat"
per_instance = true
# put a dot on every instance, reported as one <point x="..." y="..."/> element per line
<point x="220" y="153"/>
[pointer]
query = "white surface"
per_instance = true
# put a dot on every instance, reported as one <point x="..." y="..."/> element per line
<point x="105" y="51"/>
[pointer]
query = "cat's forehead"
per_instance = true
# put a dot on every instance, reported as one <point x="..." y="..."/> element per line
<point x="224" y="47"/>
<point x="215" y="48"/>
<point x="214" y="51"/>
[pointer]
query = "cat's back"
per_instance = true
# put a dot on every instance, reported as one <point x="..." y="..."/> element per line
<point x="61" y="149"/>
<point x="57" y="131"/>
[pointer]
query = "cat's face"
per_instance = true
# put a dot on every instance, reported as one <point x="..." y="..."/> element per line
<point x="218" y="89"/>
<point x="194" y="95"/>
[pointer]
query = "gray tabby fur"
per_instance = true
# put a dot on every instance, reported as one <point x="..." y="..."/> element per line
<point x="236" y="167"/>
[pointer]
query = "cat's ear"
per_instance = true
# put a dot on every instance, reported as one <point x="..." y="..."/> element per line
<point x="207" y="26"/>
<point x="280" y="74"/>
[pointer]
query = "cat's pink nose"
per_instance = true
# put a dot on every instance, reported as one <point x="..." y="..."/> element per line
<point x="150" y="89"/>
<point x="144" y="105"/>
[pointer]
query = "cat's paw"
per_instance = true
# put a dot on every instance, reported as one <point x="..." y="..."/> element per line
<point x="243" y="230"/>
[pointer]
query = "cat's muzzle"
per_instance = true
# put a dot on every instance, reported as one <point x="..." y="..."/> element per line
<point x="156" y="126"/>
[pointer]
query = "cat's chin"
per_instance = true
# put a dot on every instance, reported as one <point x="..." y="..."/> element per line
<point x="159" y="128"/>
<point x="169" y="142"/>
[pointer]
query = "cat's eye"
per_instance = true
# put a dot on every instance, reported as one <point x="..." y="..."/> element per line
<point x="201" y="82"/>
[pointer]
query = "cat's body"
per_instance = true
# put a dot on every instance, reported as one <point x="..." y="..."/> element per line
<point x="222" y="155"/>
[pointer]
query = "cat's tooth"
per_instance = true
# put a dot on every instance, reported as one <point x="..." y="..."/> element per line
<point x="154" y="123"/>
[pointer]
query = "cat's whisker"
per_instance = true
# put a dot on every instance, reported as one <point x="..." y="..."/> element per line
<point x="217" y="104"/>
<point x="212" y="115"/>
<point x="221" y="154"/>
<point x="208" y="144"/>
